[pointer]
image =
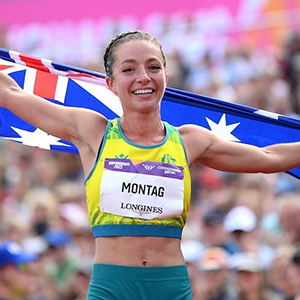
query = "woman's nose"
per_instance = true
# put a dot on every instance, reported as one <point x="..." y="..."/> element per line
<point x="143" y="76"/>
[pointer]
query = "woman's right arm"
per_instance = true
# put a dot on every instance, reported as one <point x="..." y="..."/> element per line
<point x="69" y="123"/>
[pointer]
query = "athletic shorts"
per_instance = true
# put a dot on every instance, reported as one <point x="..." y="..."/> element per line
<point x="114" y="282"/>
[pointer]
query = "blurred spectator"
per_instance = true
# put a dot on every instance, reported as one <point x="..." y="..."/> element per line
<point x="214" y="277"/>
<point x="43" y="206"/>
<point x="250" y="281"/>
<point x="47" y="170"/>
<point x="15" y="228"/>
<point x="14" y="283"/>
<point x="289" y="218"/>
<point x="214" y="234"/>
<point x="78" y="285"/>
<point x="238" y="64"/>
<point x="296" y="266"/>
<point x="192" y="251"/>
<point x="69" y="166"/>
<point x="60" y="265"/>
<point x="280" y="275"/>
<point x="292" y="68"/>
<point x="177" y="70"/>
<point x="241" y="222"/>
<point x="240" y="218"/>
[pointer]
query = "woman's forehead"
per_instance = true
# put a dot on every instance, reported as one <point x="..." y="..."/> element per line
<point x="133" y="50"/>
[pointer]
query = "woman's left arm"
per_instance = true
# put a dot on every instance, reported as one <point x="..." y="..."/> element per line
<point x="203" y="147"/>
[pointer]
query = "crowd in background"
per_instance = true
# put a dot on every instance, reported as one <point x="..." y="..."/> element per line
<point x="242" y="233"/>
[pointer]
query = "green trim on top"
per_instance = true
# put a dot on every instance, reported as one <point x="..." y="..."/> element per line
<point x="183" y="146"/>
<point x="102" y="147"/>
<point x="142" y="146"/>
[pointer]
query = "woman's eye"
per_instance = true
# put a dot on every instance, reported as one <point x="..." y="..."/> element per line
<point x="128" y="70"/>
<point x="155" y="67"/>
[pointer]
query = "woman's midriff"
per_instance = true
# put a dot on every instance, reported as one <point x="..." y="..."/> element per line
<point x="138" y="251"/>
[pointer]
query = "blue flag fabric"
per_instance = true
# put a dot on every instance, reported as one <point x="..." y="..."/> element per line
<point x="71" y="86"/>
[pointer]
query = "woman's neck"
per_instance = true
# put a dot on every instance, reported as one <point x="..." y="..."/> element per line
<point x="143" y="129"/>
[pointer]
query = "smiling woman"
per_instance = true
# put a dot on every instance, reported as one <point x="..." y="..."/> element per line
<point x="137" y="74"/>
<point x="137" y="170"/>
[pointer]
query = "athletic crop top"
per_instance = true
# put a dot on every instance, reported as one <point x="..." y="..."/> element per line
<point x="136" y="190"/>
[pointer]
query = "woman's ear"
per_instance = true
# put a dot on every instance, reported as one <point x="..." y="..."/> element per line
<point x="110" y="85"/>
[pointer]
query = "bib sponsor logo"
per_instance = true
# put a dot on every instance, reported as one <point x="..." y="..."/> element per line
<point x="141" y="209"/>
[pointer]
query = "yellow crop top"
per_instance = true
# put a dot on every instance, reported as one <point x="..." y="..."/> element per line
<point x="136" y="190"/>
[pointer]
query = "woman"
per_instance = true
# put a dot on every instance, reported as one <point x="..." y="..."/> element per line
<point x="137" y="171"/>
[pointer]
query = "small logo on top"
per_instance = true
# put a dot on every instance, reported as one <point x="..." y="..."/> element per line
<point x="148" y="167"/>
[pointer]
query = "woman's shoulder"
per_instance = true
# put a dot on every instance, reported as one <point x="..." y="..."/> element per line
<point x="192" y="130"/>
<point x="91" y="126"/>
<point x="196" y="140"/>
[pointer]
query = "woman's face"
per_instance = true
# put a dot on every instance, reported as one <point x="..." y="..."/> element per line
<point x="139" y="78"/>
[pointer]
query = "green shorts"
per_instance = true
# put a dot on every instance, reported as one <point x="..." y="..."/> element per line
<point x="109" y="282"/>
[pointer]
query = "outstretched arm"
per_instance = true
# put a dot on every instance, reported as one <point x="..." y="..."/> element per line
<point x="205" y="148"/>
<point x="76" y="125"/>
<point x="68" y="123"/>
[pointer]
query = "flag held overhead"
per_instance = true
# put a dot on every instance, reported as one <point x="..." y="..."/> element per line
<point x="72" y="86"/>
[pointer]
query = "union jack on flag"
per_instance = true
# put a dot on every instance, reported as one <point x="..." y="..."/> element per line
<point x="71" y="86"/>
<point x="61" y="84"/>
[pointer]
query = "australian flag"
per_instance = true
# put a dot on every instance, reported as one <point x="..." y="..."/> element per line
<point x="77" y="87"/>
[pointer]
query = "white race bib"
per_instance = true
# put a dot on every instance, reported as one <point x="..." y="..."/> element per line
<point x="147" y="190"/>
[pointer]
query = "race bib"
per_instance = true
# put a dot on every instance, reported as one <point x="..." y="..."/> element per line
<point x="146" y="190"/>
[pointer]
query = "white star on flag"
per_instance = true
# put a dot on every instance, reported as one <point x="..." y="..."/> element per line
<point x="222" y="130"/>
<point x="37" y="138"/>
